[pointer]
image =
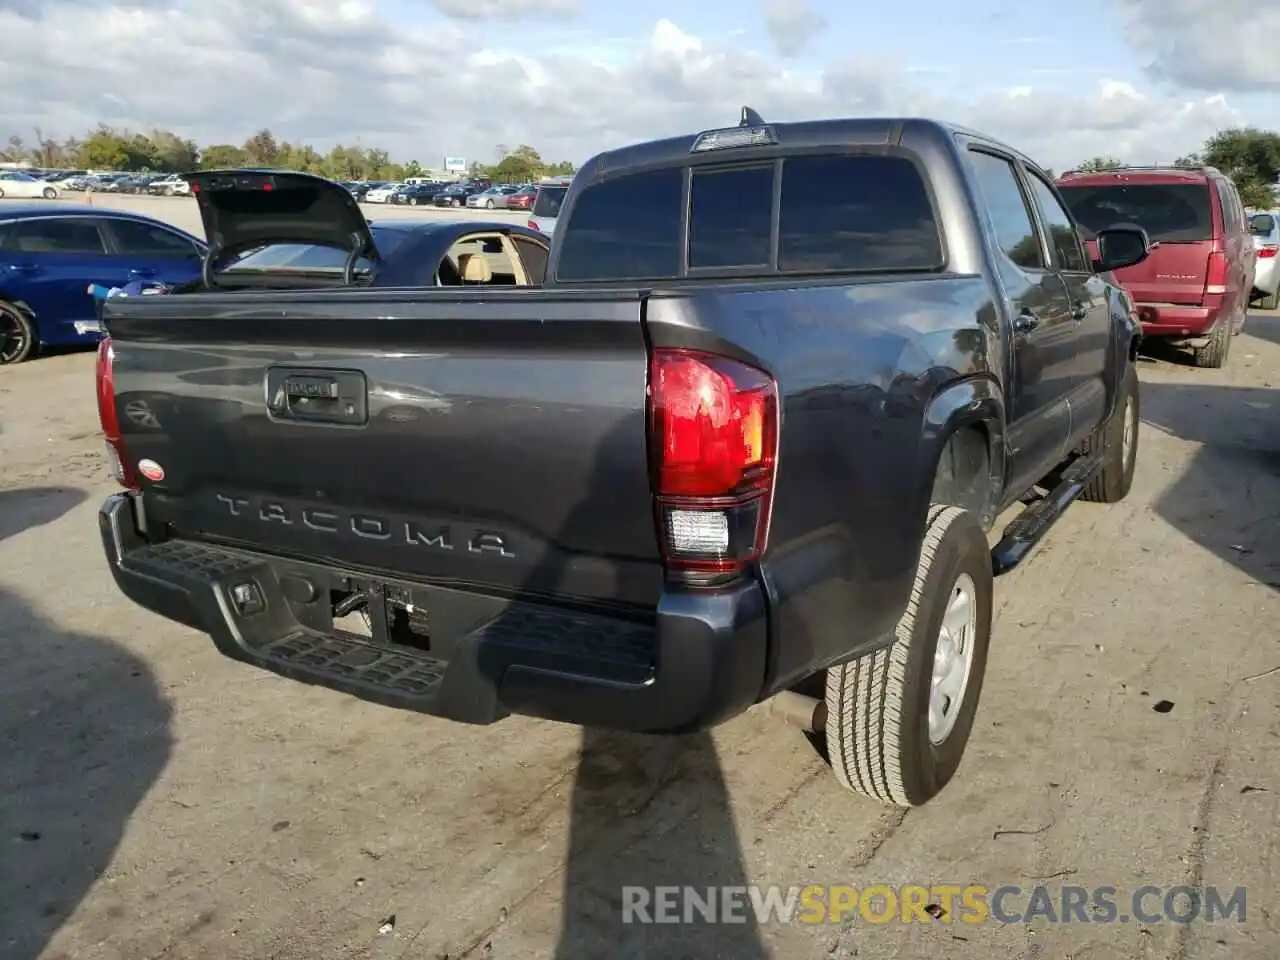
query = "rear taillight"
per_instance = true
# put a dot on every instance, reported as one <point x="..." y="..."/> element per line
<point x="533" y="225"/>
<point x="713" y="438"/>
<point x="1266" y="253"/>
<point x="1215" y="278"/>
<point x="125" y="475"/>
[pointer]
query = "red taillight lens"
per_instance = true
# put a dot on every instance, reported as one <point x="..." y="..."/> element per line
<point x="713" y="434"/>
<point x="1215" y="280"/>
<point x="533" y="225"/>
<point x="123" y="470"/>
<point x="1266" y="253"/>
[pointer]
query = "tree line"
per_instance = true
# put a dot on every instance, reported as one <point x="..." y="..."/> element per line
<point x="162" y="151"/>
<point x="1249" y="156"/>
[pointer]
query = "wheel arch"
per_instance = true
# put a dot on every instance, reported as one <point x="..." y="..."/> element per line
<point x="964" y="447"/>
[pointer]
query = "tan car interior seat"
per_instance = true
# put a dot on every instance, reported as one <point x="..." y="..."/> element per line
<point x="474" y="268"/>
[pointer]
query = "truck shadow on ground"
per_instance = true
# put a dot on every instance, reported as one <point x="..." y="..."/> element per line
<point x="85" y="735"/>
<point x="646" y="811"/>
<point x="1227" y="499"/>
<point x="29" y="507"/>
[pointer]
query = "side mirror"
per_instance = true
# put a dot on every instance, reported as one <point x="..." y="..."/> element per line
<point x="1121" y="246"/>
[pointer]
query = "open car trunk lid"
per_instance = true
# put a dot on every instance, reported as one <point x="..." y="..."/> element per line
<point x="486" y="438"/>
<point x="245" y="209"/>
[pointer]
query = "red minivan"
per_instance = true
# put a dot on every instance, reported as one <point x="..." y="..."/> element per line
<point x="1194" y="287"/>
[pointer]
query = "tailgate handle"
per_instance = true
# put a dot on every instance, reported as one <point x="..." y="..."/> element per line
<point x="317" y="396"/>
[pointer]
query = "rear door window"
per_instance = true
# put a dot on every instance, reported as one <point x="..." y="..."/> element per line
<point x="135" y="239"/>
<point x="1067" y="248"/>
<point x="1169" y="212"/>
<point x="1262" y="224"/>
<point x="1011" y="218"/>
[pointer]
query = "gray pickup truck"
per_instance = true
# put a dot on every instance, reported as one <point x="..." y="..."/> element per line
<point x="741" y="437"/>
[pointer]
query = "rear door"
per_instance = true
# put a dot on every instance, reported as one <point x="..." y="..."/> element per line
<point x="49" y="263"/>
<point x="1178" y="217"/>
<point x="1044" y="334"/>
<point x="149" y="252"/>
<point x="1239" y="247"/>
<point x="1090" y="308"/>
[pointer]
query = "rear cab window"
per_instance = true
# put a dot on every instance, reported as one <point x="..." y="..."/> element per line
<point x="862" y="213"/>
<point x="1168" y="212"/>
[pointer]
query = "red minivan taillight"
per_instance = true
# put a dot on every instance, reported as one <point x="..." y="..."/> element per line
<point x="713" y="447"/>
<point x="124" y="473"/>
<point x="1215" y="278"/>
<point x="1267" y="252"/>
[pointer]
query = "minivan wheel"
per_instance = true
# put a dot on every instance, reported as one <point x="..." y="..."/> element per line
<point x="898" y="719"/>
<point x="1213" y="355"/>
<point x="1270" y="301"/>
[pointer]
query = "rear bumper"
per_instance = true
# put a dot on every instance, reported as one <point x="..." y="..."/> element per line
<point x="700" y="662"/>
<point x="1266" y="276"/>
<point x="1176" y="320"/>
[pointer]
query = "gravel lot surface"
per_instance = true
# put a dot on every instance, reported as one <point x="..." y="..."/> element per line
<point x="161" y="801"/>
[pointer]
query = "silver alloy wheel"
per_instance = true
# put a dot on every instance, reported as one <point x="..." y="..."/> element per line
<point x="953" y="658"/>
<point x="1126" y="439"/>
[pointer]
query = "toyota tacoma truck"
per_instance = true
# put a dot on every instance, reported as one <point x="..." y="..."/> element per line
<point x="742" y="434"/>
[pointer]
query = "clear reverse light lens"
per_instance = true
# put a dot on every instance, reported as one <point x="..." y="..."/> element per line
<point x="734" y="137"/>
<point x="698" y="532"/>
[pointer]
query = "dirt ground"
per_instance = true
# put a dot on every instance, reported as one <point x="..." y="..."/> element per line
<point x="158" y="800"/>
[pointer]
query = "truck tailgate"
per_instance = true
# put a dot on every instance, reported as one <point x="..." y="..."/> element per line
<point x="494" y="439"/>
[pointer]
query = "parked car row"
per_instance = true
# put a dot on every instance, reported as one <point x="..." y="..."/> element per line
<point x="476" y="193"/>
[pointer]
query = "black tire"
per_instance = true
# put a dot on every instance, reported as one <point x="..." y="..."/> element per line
<point x="413" y="201"/>
<point x="1112" y="482"/>
<point x="1213" y="355"/>
<point x="18" y="340"/>
<point x="457" y="203"/>
<point x="50" y="193"/>
<point x="168" y="191"/>
<point x="1270" y="301"/>
<point x="1" y="193"/>
<point x="488" y="204"/>
<point x="878" y="736"/>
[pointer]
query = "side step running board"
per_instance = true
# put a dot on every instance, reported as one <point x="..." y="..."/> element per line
<point x="1030" y="526"/>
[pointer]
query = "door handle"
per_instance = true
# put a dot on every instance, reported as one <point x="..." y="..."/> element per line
<point x="1025" y="322"/>
<point x="142" y="272"/>
<point x="24" y="268"/>
<point x="1079" y="311"/>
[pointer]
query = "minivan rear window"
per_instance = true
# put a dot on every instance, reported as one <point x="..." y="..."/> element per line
<point x="547" y="202"/>
<point x="1169" y="212"/>
<point x="1262" y="224"/>
<point x="858" y="213"/>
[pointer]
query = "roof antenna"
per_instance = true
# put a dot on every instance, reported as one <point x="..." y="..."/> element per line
<point x="750" y="118"/>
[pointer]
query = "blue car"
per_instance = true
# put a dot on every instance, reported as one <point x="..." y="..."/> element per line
<point x="49" y="257"/>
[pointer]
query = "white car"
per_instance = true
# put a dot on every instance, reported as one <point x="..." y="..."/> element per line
<point x="173" y="186"/>
<point x="18" y="185"/>
<point x="1265" y="227"/>
<point x="381" y="194"/>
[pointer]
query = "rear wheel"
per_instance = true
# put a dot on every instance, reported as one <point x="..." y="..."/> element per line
<point x="488" y="204"/>
<point x="168" y="191"/>
<point x="50" y="193"/>
<point x="457" y="203"/>
<point x="1117" y="442"/>
<point x="413" y="201"/>
<point x="1271" y="300"/>
<point x="1213" y="355"/>
<point x="17" y="335"/>
<point x="898" y="720"/>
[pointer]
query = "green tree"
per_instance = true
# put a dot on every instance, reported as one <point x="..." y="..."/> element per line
<point x="261" y="150"/>
<point x="1251" y="158"/>
<point x="222" y="156"/>
<point x="1099" y="164"/>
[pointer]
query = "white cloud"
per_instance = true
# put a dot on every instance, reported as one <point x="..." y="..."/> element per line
<point x="326" y="71"/>
<point x="1211" y="45"/>
<point x="791" y="24"/>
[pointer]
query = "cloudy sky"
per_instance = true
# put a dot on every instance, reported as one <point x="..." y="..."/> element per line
<point x="1145" y="80"/>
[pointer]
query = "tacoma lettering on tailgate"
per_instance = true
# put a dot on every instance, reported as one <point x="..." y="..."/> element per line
<point x="329" y="520"/>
